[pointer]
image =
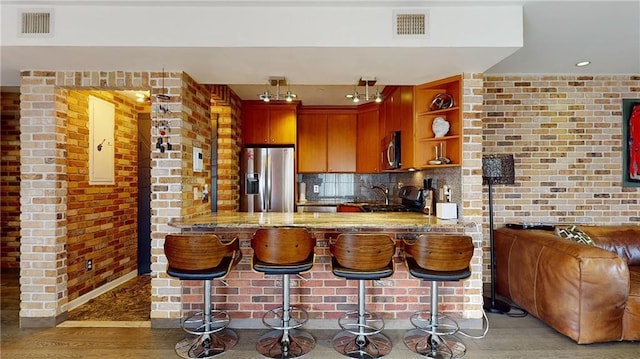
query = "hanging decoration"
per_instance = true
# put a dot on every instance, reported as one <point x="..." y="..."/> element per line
<point x="161" y="114"/>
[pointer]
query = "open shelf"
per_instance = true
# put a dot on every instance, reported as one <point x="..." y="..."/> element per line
<point x="425" y="140"/>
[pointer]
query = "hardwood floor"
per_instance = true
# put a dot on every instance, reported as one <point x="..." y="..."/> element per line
<point x="508" y="337"/>
<point x="134" y="295"/>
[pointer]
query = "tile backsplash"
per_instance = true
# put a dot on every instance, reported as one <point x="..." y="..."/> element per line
<point x="345" y="187"/>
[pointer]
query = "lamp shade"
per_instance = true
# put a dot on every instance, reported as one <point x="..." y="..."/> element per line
<point x="498" y="168"/>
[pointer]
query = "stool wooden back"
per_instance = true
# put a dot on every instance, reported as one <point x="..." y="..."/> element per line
<point x="284" y="245"/>
<point x="363" y="251"/>
<point x="197" y="251"/>
<point x="441" y="252"/>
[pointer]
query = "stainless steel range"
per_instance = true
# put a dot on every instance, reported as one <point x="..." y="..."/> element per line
<point x="411" y="201"/>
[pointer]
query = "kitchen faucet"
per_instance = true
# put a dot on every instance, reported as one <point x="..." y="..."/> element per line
<point x="384" y="190"/>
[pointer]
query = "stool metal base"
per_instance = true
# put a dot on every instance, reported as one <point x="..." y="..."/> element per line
<point x="443" y="325"/>
<point x="277" y="318"/>
<point x="361" y="346"/>
<point x="434" y="346"/>
<point x="290" y="343"/>
<point x="366" y="324"/>
<point x="197" y="323"/>
<point x="207" y="345"/>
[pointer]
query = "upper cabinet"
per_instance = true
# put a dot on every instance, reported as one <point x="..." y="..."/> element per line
<point x="312" y="142"/>
<point x="268" y="123"/>
<point x="341" y="142"/>
<point x="327" y="140"/>
<point x="368" y="147"/>
<point x="438" y="123"/>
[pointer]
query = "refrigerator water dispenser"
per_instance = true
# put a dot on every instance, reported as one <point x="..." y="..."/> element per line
<point x="252" y="185"/>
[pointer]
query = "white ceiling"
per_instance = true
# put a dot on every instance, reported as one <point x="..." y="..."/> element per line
<point x="556" y="35"/>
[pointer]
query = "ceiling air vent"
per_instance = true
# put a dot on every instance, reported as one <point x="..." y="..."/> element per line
<point x="410" y="25"/>
<point x="36" y="23"/>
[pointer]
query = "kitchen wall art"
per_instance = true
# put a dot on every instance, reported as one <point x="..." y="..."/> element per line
<point x="631" y="143"/>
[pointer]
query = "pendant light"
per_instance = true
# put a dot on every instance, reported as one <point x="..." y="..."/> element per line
<point x="277" y="82"/>
<point x="265" y="96"/>
<point x="366" y="82"/>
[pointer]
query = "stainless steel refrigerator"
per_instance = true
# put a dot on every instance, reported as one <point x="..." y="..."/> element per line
<point x="267" y="182"/>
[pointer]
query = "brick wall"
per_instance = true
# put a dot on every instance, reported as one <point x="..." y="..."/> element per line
<point x="195" y="131"/>
<point x="10" y="173"/>
<point x="101" y="219"/>
<point x="472" y="93"/>
<point x="565" y="132"/>
<point x="173" y="181"/>
<point x="44" y="183"/>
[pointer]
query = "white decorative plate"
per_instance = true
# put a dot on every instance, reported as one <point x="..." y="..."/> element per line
<point x="440" y="127"/>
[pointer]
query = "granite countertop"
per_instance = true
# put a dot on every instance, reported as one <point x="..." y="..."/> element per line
<point x="399" y="220"/>
<point x="318" y="203"/>
<point x="330" y="203"/>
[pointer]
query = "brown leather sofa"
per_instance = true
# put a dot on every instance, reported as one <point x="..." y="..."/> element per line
<point x="590" y="294"/>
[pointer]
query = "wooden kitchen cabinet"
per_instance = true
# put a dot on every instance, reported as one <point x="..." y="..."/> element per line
<point x="341" y="142"/>
<point x="389" y="109"/>
<point x="368" y="155"/>
<point x="425" y="141"/>
<point x="312" y="142"/>
<point x="327" y="140"/>
<point x="268" y="123"/>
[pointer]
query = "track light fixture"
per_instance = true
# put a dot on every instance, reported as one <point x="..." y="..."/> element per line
<point x="366" y="82"/>
<point x="277" y="82"/>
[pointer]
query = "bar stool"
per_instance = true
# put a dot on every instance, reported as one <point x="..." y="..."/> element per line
<point x="437" y="258"/>
<point x="284" y="251"/>
<point x="361" y="257"/>
<point x="203" y="257"/>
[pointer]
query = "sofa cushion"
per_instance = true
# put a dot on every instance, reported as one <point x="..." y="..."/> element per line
<point x="622" y="240"/>
<point x="573" y="233"/>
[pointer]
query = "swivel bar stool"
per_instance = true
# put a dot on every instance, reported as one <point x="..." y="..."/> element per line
<point x="284" y="251"/>
<point x="361" y="257"/>
<point x="203" y="257"/>
<point x="437" y="258"/>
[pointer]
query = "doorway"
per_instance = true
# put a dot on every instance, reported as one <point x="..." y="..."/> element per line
<point x="144" y="193"/>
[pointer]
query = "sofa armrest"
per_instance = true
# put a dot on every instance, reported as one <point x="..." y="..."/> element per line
<point x="578" y="290"/>
<point x="622" y="240"/>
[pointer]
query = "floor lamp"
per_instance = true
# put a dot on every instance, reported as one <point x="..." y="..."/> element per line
<point x="497" y="168"/>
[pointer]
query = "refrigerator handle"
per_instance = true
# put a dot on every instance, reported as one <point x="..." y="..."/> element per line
<point x="268" y="180"/>
<point x="263" y="184"/>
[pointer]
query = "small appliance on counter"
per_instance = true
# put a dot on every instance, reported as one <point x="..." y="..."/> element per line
<point x="302" y="192"/>
<point x="446" y="209"/>
<point x="411" y="198"/>
<point x="429" y="198"/>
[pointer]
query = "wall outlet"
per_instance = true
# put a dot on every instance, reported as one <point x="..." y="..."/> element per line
<point x="89" y="264"/>
<point x="316" y="188"/>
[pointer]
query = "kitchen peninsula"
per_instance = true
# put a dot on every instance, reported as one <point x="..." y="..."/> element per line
<point x="249" y="294"/>
<point x="378" y="221"/>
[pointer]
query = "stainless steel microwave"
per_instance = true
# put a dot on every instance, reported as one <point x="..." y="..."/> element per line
<point x="391" y="151"/>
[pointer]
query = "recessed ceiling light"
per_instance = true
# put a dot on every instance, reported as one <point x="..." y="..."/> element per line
<point x="583" y="63"/>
